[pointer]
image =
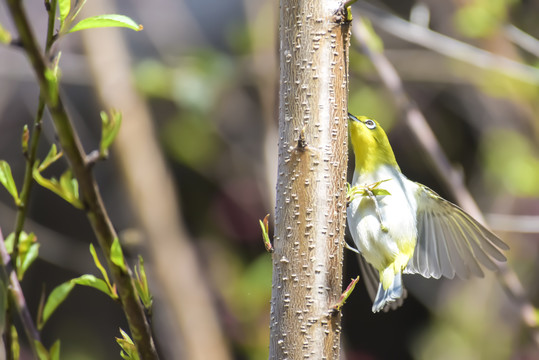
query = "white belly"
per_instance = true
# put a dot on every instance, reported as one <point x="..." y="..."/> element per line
<point x="385" y="226"/>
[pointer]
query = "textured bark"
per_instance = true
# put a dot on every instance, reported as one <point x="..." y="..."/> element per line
<point x="311" y="205"/>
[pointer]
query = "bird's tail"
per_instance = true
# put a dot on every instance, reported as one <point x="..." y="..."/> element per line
<point x="393" y="293"/>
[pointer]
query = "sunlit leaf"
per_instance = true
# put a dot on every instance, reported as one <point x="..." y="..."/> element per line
<point x="129" y="351"/>
<point x="54" y="351"/>
<point x="99" y="266"/>
<point x="109" y="20"/>
<point x="28" y="252"/>
<point x="42" y="352"/>
<point x="51" y="157"/>
<point x="15" y="347"/>
<point x="97" y="283"/>
<point x="116" y="255"/>
<point x="9" y="242"/>
<point x="60" y="293"/>
<point x="110" y="128"/>
<point x="67" y="188"/>
<point x="65" y="8"/>
<point x="56" y="297"/>
<point x="5" y="36"/>
<point x="6" y="178"/>
<point x="141" y="284"/>
<point x="70" y="186"/>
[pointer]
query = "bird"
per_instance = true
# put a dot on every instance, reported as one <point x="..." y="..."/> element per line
<point x="402" y="227"/>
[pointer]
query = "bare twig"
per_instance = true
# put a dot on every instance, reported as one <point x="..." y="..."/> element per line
<point x="528" y="224"/>
<point x="448" y="46"/>
<point x="522" y="39"/>
<point x="453" y="181"/>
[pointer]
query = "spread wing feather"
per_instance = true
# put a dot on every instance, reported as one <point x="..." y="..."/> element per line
<point x="450" y="242"/>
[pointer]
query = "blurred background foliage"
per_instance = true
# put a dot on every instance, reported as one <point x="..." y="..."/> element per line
<point x="208" y="71"/>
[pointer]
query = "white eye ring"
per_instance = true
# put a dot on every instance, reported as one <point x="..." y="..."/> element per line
<point x="370" y="124"/>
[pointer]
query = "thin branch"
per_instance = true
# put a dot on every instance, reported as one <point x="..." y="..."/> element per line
<point x="522" y="39"/>
<point x="424" y="136"/>
<point x="91" y="197"/>
<point x="34" y="141"/>
<point x="448" y="46"/>
<point x="526" y="224"/>
<point x="16" y="297"/>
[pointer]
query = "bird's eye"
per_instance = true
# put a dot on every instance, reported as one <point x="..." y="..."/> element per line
<point x="370" y="124"/>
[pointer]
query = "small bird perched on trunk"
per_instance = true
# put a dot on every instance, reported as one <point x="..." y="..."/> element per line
<point x="400" y="226"/>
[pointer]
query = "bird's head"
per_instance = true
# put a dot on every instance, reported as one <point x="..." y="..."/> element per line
<point x="370" y="144"/>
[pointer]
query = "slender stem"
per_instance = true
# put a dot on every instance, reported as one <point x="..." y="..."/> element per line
<point x="8" y="339"/>
<point x="16" y="294"/>
<point x="34" y="141"/>
<point x="16" y="298"/>
<point x="91" y="197"/>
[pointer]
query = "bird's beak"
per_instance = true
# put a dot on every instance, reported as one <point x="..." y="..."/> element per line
<point x="352" y="117"/>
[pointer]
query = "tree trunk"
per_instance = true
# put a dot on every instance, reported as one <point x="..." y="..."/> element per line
<point x="311" y="204"/>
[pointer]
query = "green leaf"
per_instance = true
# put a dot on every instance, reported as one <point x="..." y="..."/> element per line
<point x="65" y="8"/>
<point x="377" y="192"/>
<point x="42" y="353"/>
<point x="70" y="186"/>
<point x="60" y="293"/>
<point x="110" y="129"/>
<point x="28" y="252"/>
<point x="56" y="297"/>
<point x="51" y="157"/>
<point x="108" y="20"/>
<point x="116" y="255"/>
<point x="129" y="351"/>
<point x="54" y="351"/>
<point x="9" y="242"/>
<point x="15" y="347"/>
<point x="99" y="266"/>
<point x="6" y="178"/>
<point x="141" y="284"/>
<point x="27" y="260"/>
<point x="96" y="283"/>
<point x="5" y="36"/>
<point x="67" y="188"/>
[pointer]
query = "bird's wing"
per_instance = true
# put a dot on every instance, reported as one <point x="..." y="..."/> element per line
<point x="371" y="278"/>
<point x="450" y="242"/>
